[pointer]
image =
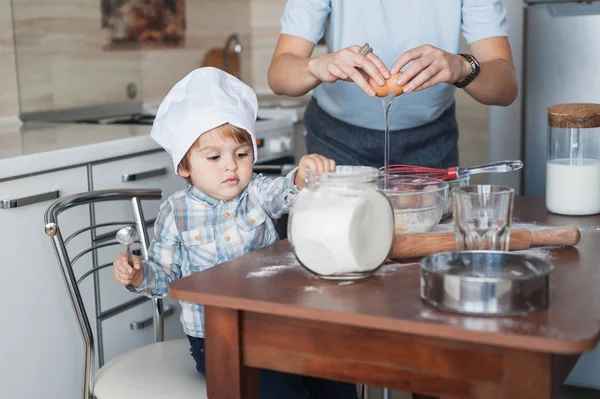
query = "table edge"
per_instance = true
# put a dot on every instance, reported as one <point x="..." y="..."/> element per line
<point x="527" y="342"/>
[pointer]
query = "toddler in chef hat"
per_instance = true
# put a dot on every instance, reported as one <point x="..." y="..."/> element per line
<point x="207" y="124"/>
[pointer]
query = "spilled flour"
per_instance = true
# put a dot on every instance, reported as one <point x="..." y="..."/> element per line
<point x="312" y="288"/>
<point x="268" y="271"/>
<point x="539" y="252"/>
<point x="391" y="268"/>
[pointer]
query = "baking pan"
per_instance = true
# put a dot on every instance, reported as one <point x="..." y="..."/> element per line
<point x="485" y="282"/>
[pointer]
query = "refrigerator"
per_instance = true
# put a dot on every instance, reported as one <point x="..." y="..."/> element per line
<point x="561" y="64"/>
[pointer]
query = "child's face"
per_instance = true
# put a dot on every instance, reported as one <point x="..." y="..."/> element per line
<point x="219" y="167"/>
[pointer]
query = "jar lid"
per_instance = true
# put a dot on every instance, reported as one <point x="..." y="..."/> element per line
<point x="574" y="115"/>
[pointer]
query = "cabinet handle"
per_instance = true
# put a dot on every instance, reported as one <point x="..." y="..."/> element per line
<point x="127" y="177"/>
<point x="33" y="199"/>
<point x="138" y="325"/>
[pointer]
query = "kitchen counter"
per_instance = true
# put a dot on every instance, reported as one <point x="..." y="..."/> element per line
<point x="34" y="147"/>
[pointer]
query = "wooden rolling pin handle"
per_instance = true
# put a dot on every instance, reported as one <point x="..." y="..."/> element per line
<point x="567" y="236"/>
<point x="423" y="244"/>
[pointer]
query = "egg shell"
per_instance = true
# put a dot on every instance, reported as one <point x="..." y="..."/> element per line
<point x="389" y="86"/>
<point x="393" y="87"/>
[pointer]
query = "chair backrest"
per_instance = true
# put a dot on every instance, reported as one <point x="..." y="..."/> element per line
<point x="66" y="262"/>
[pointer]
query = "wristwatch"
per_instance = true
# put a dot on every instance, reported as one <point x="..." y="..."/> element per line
<point x="476" y="68"/>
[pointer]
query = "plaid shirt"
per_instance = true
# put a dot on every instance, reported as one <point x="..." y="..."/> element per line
<point x="194" y="232"/>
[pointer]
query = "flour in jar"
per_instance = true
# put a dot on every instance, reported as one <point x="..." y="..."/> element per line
<point x="573" y="186"/>
<point x="341" y="233"/>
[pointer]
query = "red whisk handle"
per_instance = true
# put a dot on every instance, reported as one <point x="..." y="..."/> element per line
<point x="452" y="172"/>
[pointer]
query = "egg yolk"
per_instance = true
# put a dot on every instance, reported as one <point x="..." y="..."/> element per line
<point x="389" y="86"/>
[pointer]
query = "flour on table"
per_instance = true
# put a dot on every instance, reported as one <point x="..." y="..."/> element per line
<point x="391" y="268"/>
<point x="539" y="252"/>
<point x="312" y="288"/>
<point x="267" y="271"/>
<point x="517" y="224"/>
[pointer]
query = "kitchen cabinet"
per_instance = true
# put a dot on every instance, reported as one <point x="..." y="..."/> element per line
<point x="40" y="343"/>
<point x="153" y="170"/>
<point x="133" y="327"/>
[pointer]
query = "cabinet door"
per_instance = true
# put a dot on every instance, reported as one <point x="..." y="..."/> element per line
<point x="148" y="171"/>
<point x="40" y="343"/>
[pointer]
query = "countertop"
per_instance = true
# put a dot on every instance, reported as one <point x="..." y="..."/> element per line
<point x="35" y="147"/>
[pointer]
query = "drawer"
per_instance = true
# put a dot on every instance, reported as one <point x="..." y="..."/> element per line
<point x="153" y="171"/>
<point x="119" y="336"/>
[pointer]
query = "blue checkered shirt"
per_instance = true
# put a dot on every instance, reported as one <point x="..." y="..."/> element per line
<point x="194" y="232"/>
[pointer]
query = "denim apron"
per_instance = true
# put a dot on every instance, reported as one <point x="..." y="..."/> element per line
<point x="434" y="144"/>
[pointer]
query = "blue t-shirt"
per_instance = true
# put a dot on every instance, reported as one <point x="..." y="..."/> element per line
<point x="391" y="27"/>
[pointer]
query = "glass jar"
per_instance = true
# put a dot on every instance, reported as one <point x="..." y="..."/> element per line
<point x="573" y="159"/>
<point x="341" y="225"/>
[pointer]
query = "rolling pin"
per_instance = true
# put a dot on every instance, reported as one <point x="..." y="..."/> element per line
<point x="422" y="244"/>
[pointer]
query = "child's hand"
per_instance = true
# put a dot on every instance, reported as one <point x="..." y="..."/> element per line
<point x="314" y="162"/>
<point x="125" y="274"/>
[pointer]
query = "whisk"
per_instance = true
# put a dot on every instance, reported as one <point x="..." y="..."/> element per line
<point x="454" y="172"/>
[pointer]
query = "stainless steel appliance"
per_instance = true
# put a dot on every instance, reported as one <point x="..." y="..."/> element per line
<point x="561" y="65"/>
<point x="562" y="59"/>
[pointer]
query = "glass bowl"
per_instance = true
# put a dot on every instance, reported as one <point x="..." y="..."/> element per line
<point x="418" y="202"/>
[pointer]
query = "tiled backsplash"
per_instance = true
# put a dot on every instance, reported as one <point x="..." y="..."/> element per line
<point x="62" y="62"/>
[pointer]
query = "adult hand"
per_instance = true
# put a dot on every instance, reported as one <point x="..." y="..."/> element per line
<point x="431" y="66"/>
<point x="346" y="64"/>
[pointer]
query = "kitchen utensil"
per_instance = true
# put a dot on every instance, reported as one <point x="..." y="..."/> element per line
<point x="482" y="216"/>
<point x="408" y="246"/>
<point x="454" y="172"/>
<point x="418" y="202"/>
<point x="485" y="282"/>
<point x="127" y="236"/>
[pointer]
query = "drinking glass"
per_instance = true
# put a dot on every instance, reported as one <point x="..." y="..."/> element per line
<point x="482" y="215"/>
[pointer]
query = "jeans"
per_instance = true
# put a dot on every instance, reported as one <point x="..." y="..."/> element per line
<point x="434" y="144"/>
<point x="279" y="385"/>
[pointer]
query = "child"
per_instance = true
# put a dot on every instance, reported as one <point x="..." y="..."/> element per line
<point x="207" y="124"/>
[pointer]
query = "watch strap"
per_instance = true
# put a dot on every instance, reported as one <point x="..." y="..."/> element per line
<point x="475" y="65"/>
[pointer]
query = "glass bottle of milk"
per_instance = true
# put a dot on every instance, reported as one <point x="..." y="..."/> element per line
<point x="573" y="159"/>
<point x="341" y="225"/>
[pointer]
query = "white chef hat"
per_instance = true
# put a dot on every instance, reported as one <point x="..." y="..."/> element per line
<point x="204" y="99"/>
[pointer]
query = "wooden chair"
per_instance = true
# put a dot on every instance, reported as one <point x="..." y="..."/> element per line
<point x="163" y="369"/>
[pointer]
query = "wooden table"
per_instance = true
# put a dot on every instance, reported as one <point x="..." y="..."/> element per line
<point x="264" y="310"/>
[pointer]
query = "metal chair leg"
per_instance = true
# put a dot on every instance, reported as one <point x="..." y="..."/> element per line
<point x="386" y="393"/>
